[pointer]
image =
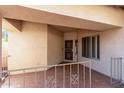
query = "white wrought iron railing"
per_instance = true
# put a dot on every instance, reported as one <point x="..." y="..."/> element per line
<point x="4" y="66"/>
<point x="116" y="70"/>
<point x="68" y="75"/>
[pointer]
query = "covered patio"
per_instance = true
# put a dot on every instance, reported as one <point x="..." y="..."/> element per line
<point x="67" y="52"/>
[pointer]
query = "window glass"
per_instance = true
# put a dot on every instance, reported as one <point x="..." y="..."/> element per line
<point x="93" y="47"/>
<point x="98" y="48"/>
<point x="90" y="47"/>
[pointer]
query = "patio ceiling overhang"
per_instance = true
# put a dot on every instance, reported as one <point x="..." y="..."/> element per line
<point x="40" y="16"/>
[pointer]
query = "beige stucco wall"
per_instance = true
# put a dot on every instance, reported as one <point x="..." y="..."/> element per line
<point x="55" y="46"/>
<point x="37" y="44"/>
<point x="4" y="54"/>
<point x="28" y="48"/>
<point x="111" y="45"/>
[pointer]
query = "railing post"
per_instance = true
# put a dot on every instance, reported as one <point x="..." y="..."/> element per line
<point x="64" y="76"/>
<point x="9" y="79"/>
<point x="70" y="75"/>
<point x="111" y="68"/>
<point x="118" y="68"/>
<point x="114" y="68"/>
<point x="45" y="81"/>
<point x="121" y="69"/>
<point x="90" y="78"/>
<point x="84" y="74"/>
<point x="36" y="80"/>
<point x="24" y="77"/>
<point x="78" y="69"/>
<point x="55" y="78"/>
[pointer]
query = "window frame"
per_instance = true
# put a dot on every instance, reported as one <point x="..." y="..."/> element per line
<point x="93" y="47"/>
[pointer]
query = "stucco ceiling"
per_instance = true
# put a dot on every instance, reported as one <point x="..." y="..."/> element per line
<point x="63" y="28"/>
<point x="67" y="29"/>
<point x="39" y="16"/>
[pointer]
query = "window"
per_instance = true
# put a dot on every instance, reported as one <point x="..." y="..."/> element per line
<point x="93" y="46"/>
<point x="90" y="47"/>
<point x="98" y="47"/>
<point x="4" y="35"/>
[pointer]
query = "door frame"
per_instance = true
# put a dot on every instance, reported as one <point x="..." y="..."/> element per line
<point x="73" y="50"/>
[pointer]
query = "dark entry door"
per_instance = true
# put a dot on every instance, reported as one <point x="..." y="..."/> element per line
<point x="68" y="49"/>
